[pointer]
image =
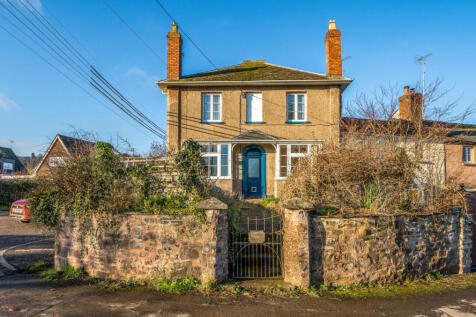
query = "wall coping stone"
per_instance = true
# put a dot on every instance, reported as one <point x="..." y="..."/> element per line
<point x="410" y="215"/>
<point x="212" y="204"/>
<point x="298" y="204"/>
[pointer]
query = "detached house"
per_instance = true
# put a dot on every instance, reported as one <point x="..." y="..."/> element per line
<point x="254" y="120"/>
<point x="9" y="162"/>
<point x="59" y="150"/>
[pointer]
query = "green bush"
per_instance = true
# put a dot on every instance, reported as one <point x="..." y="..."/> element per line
<point x="192" y="173"/>
<point x="95" y="181"/>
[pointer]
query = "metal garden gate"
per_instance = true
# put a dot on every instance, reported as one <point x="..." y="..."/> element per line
<point x="256" y="246"/>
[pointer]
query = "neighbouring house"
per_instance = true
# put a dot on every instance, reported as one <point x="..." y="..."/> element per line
<point x="9" y="162"/>
<point x="403" y="130"/>
<point x="59" y="150"/>
<point x="254" y="120"/>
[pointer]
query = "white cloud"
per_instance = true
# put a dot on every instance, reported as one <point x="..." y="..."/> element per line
<point x="142" y="75"/>
<point x="7" y="103"/>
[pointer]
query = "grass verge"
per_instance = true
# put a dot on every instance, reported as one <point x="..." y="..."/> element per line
<point x="431" y="284"/>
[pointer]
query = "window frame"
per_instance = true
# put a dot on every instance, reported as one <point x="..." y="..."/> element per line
<point x="211" y="120"/>
<point x="471" y="156"/>
<point x="219" y="157"/>
<point x="249" y="111"/>
<point x="289" y="157"/>
<point x="58" y="161"/>
<point x="8" y="169"/>
<point x="295" y="110"/>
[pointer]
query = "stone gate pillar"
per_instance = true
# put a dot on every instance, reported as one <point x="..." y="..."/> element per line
<point x="296" y="250"/>
<point x="214" y="255"/>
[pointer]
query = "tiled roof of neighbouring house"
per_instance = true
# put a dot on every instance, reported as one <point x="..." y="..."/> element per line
<point x="455" y="133"/>
<point x="6" y="153"/>
<point x="73" y="144"/>
<point x="257" y="70"/>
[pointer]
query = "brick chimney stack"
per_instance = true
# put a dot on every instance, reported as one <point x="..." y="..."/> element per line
<point x="174" y="53"/>
<point x="333" y="51"/>
<point x="411" y="104"/>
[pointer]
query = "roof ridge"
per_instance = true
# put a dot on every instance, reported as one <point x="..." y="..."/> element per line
<point x="297" y="69"/>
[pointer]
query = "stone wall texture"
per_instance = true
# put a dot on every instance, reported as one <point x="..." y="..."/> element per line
<point x="145" y="246"/>
<point x="374" y="249"/>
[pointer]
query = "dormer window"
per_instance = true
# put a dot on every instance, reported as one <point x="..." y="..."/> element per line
<point x="211" y="108"/>
<point x="296" y="107"/>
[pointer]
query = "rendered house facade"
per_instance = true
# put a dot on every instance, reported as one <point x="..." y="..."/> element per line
<point x="255" y="120"/>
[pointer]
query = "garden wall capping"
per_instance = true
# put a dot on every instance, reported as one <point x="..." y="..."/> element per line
<point x="145" y="246"/>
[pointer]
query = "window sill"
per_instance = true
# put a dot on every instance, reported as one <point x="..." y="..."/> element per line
<point x="219" y="177"/>
<point x="212" y="122"/>
<point x="255" y="122"/>
<point x="469" y="164"/>
<point x="297" y="122"/>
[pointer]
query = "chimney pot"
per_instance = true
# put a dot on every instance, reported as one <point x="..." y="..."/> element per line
<point x="332" y="25"/>
<point x="405" y="90"/>
<point x="174" y="27"/>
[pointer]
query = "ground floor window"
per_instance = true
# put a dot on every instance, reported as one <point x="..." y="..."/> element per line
<point x="289" y="157"/>
<point x="217" y="158"/>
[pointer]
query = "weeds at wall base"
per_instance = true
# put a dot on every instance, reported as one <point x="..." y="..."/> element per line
<point x="430" y="284"/>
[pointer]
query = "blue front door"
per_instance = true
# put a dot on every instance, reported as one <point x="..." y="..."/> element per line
<point x="253" y="171"/>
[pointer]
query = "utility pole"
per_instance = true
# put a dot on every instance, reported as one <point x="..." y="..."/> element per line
<point x="422" y="61"/>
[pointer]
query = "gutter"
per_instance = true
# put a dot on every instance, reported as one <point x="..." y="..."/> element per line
<point x="343" y="82"/>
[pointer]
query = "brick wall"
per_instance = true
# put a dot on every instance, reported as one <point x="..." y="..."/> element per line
<point x="56" y="151"/>
<point x="374" y="249"/>
<point x="145" y="246"/>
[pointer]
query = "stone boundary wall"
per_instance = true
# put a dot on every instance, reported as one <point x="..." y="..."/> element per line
<point x="372" y="249"/>
<point x="140" y="246"/>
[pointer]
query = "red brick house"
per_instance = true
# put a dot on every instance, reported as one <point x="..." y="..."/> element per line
<point x="59" y="150"/>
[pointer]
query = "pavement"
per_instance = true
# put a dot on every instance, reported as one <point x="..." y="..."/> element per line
<point x="30" y="295"/>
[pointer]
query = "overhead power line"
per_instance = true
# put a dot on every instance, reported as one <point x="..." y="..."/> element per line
<point x="186" y="34"/>
<point x="49" y="40"/>
<point x="133" y="31"/>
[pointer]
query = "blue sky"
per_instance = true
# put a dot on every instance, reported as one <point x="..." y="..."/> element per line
<point x="382" y="38"/>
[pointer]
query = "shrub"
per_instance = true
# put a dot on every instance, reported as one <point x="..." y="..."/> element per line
<point x="192" y="173"/>
<point x="95" y="181"/>
<point x="371" y="175"/>
<point x="11" y="190"/>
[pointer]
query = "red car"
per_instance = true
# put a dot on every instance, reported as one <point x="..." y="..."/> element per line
<point x="20" y="210"/>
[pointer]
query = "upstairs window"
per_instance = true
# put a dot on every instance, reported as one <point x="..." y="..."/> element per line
<point x="57" y="161"/>
<point x="467" y="154"/>
<point x="254" y="107"/>
<point x="289" y="157"/>
<point x="296" y="107"/>
<point x="217" y="160"/>
<point x="211" y="108"/>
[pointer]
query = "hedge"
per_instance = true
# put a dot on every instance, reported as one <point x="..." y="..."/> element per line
<point x="11" y="190"/>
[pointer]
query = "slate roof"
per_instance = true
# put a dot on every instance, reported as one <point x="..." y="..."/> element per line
<point x="257" y="70"/>
<point x="7" y="153"/>
<point x="458" y="133"/>
<point x="74" y="144"/>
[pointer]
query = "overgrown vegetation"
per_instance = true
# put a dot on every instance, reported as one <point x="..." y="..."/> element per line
<point x="383" y="165"/>
<point x="95" y="181"/>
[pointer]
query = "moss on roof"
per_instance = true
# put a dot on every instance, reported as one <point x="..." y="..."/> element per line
<point x="251" y="71"/>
